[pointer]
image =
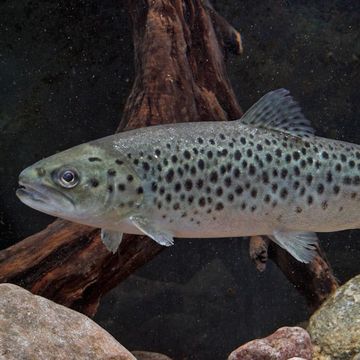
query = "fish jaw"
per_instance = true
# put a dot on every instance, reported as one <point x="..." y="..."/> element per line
<point x="41" y="196"/>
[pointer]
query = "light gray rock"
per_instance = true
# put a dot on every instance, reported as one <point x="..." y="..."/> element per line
<point x="335" y="327"/>
<point x="32" y="327"/>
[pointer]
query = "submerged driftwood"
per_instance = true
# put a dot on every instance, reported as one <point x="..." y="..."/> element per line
<point x="180" y="48"/>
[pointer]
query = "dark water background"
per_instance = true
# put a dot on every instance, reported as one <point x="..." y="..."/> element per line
<point x="66" y="69"/>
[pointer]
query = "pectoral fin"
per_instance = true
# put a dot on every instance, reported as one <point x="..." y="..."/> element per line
<point x="162" y="237"/>
<point x="111" y="239"/>
<point x="301" y="245"/>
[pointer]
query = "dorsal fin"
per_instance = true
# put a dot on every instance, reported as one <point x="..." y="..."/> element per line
<point x="278" y="111"/>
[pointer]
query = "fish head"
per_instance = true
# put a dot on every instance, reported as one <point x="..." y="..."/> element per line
<point x="85" y="184"/>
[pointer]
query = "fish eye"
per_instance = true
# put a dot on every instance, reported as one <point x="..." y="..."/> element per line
<point x="68" y="178"/>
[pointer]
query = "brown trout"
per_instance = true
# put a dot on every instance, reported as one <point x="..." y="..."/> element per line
<point x="264" y="174"/>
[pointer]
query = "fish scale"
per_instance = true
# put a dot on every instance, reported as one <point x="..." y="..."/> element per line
<point x="265" y="174"/>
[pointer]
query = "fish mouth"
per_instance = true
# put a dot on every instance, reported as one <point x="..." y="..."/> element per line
<point x="26" y="191"/>
<point x="41" y="197"/>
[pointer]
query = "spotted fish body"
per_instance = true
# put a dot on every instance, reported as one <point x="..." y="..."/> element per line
<point x="265" y="174"/>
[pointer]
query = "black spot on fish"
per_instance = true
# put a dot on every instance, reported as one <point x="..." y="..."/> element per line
<point x="111" y="172"/>
<point x="176" y="206"/>
<point x="227" y="181"/>
<point x="130" y="178"/>
<point x="209" y="154"/>
<point x="193" y="170"/>
<point x="338" y="167"/>
<point x="177" y="187"/>
<point x="180" y="171"/>
<point x="253" y="208"/>
<point x="283" y="173"/>
<point x="213" y="177"/>
<point x="288" y="158"/>
<point x="222" y="169"/>
<point x="343" y="157"/>
<point x="249" y="152"/>
<point x="284" y="193"/>
<point x="169" y="175"/>
<point x="202" y="202"/>
<point x="161" y="190"/>
<point x="243" y="140"/>
<point x="278" y="152"/>
<point x="190" y="199"/>
<point x="324" y="205"/>
<point x="146" y="166"/>
<point x="309" y="179"/>
<point x="268" y="157"/>
<point x="347" y="180"/>
<point x="92" y="159"/>
<point x="267" y="142"/>
<point x="188" y="184"/>
<point x="275" y="173"/>
<point x="244" y="164"/>
<point x="219" y="191"/>
<point x="136" y="161"/>
<point x="187" y="154"/>
<point x="237" y="155"/>
<point x="310" y="160"/>
<point x="352" y="164"/>
<point x="236" y="172"/>
<point x="201" y="164"/>
<point x="140" y="190"/>
<point x="94" y="182"/>
<point x="336" y="189"/>
<point x="230" y="197"/>
<point x="253" y="193"/>
<point x="325" y="155"/>
<point x="154" y="186"/>
<point x="296" y="155"/>
<point x="200" y="140"/>
<point x="274" y="187"/>
<point x="296" y="185"/>
<point x="259" y="147"/>
<point x="168" y="146"/>
<point x="302" y="163"/>
<point x="329" y="177"/>
<point x="267" y="198"/>
<point x="110" y="188"/>
<point x="157" y="152"/>
<point x="265" y="177"/>
<point x="168" y="197"/>
<point x="239" y="190"/>
<point x="199" y="183"/>
<point x="174" y="158"/>
<point x="219" y="206"/>
<point x="252" y="170"/>
<point x="310" y="200"/>
<point x="296" y="170"/>
<point x="119" y="162"/>
<point x="212" y="142"/>
<point x="320" y="188"/>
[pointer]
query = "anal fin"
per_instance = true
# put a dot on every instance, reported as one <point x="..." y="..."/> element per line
<point x="111" y="239"/>
<point x="301" y="245"/>
<point x="162" y="237"/>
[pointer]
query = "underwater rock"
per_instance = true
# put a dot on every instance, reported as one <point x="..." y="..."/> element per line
<point x="283" y="344"/>
<point x="147" y="355"/>
<point x="335" y="327"/>
<point x="32" y="327"/>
